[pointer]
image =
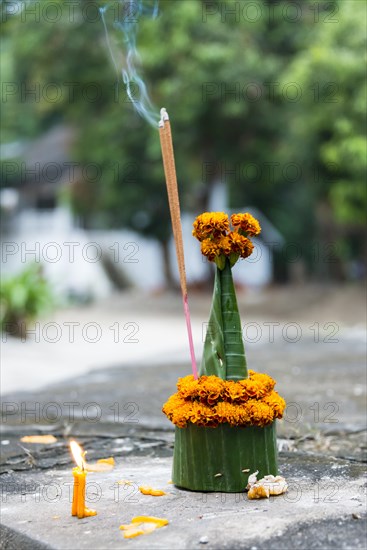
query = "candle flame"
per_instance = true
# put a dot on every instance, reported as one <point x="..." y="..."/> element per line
<point x="78" y="454"/>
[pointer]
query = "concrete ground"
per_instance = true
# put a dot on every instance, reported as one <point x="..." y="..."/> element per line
<point x="317" y="355"/>
<point x="323" y="509"/>
<point x="140" y="329"/>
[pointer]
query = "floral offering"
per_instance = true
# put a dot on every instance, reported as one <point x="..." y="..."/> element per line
<point x="225" y="417"/>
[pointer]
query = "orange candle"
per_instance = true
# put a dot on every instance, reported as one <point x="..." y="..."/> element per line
<point x="78" y="507"/>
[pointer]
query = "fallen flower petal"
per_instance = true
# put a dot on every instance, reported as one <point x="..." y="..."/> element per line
<point x="258" y="491"/>
<point x="267" y="486"/>
<point x="145" y="490"/>
<point x="142" y="525"/>
<point x="160" y="522"/>
<point x="277" y="484"/>
<point x="133" y="531"/>
<point x="46" y="439"/>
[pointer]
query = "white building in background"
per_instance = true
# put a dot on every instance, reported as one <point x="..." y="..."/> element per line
<point x="74" y="260"/>
<point x="83" y="264"/>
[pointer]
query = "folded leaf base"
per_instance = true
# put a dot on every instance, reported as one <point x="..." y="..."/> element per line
<point x="222" y="458"/>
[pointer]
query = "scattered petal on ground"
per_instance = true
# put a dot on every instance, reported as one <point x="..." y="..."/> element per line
<point x="258" y="491"/>
<point x="142" y="525"/>
<point x="46" y="439"/>
<point x="145" y="490"/>
<point x="277" y="484"/>
<point x="267" y="486"/>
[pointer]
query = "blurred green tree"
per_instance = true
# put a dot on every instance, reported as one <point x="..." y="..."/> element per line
<point x="327" y="133"/>
<point x="250" y="90"/>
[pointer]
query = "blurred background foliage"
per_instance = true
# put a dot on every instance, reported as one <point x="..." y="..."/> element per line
<point x="277" y="104"/>
<point x="23" y="298"/>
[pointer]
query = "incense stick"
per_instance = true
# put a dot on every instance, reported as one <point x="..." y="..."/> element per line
<point x="174" y="206"/>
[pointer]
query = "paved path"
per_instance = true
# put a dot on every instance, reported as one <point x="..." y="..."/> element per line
<point x="134" y="328"/>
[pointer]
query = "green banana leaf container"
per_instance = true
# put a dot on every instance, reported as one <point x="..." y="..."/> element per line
<point x="222" y="458"/>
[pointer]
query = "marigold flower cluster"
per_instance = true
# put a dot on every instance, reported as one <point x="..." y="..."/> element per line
<point x="219" y="241"/>
<point x="246" y="223"/>
<point x="210" y="401"/>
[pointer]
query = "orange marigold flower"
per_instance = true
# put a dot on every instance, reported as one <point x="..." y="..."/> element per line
<point x="246" y="223"/>
<point x="187" y="386"/>
<point x="234" y="391"/>
<point x="234" y="414"/>
<point x="177" y="410"/>
<point x="265" y="381"/>
<point x="250" y="387"/>
<point x="225" y="245"/>
<point x="240" y="245"/>
<point x="260" y="413"/>
<point x="210" y="388"/>
<point x="201" y="414"/>
<point x="181" y="382"/>
<point x="210" y="224"/>
<point x="211" y="249"/>
<point x="276" y="402"/>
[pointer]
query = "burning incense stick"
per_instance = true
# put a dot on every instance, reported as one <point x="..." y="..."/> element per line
<point x="174" y="206"/>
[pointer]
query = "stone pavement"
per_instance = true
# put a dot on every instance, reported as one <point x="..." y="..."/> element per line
<point x="323" y="509"/>
<point x="116" y="411"/>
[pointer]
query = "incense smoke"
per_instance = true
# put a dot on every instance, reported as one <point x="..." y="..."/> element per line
<point x="126" y="14"/>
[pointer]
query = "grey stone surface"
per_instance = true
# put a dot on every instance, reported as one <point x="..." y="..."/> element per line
<point x="323" y="495"/>
<point x="11" y="539"/>
<point x="121" y="407"/>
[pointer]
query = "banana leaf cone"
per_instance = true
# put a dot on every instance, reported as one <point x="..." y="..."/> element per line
<point x="222" y="458"/>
